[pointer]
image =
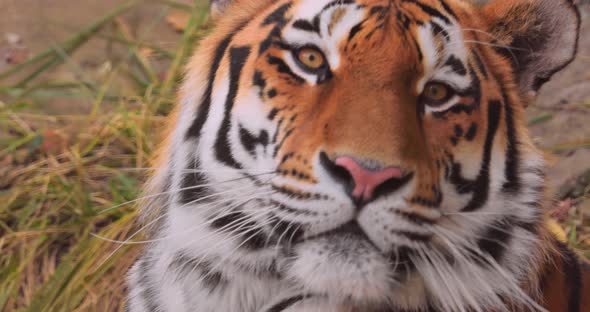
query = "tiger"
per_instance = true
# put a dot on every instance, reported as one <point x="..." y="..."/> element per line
<point x="360" y="155"/>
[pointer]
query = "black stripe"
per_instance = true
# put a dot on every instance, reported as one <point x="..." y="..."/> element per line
<point x="403" y="21"/>
<point x="285" y="303"/>
<point x="456" y="65"/>
<point x="413" y="236"/>
<point x="455" y="109"/>
<point x="278" y="128"/>
<point x="430" y="10"/>
<point x="496" y="238"/>
<point x="437" y="29"/>
<point x="306" y="25"/>
<point x="272" y="114"/>
<point x="512" y="184"/>
<point x="286" y="231"/>
<point x="238" y="222"/>
<point x="278" y="18"/>
<point x="283" y="68"/>
<point x="413" y="217"/>
<point x="474" y="89"/>
<point x="336" y="2"/>
<point x="455" y="176"/>
<point x="481" y="185"/>
<point x="354" y="30"/>
<point x="283" y="139"/>
<point x="191" y="184"/>
<point x="269" y="40"/>
<point x="447" y="8"/>
<point x="573" y="278"/>
<point x="194" y="130"/>
<point x="300" y="195"/>
<point x="480" y="65"/>
<point x="420" y="55"/>
<point x="401" y="260"/>
<point x="471" y="132"/>
<point x="237" y="59"/>
<point x="249" y="141"/>
<point x="278" y="15"/>
<point x="212" y="280"/>
<point x="259" y="81"/>
<point x="148" y="294"/>
<point x="184" y="264"/>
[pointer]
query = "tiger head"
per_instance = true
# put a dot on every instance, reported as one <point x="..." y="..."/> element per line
<point x="370" y="151"/>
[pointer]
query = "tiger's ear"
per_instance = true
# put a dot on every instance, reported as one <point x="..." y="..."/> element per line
<point x="217" y="7"/>
<point x="540" y="37"/>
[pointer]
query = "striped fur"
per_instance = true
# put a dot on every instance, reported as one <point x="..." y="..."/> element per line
<point x="248" y="211"/>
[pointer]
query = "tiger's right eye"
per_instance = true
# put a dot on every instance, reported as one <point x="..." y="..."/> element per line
<point x="311" y="58"/>
<point x="436" y="94"/>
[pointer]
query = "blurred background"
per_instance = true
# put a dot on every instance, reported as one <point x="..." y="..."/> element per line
<point x="84" y="88"/>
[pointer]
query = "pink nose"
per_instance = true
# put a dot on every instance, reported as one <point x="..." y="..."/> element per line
<point x="365" y="180"/>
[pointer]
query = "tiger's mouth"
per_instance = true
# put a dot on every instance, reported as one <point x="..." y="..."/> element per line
<point x="351" y="229"/>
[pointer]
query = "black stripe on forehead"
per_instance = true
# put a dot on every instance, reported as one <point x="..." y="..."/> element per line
<point x="314" y="24"/>
<point x="447" y="8"/>
<point x="306" y="25"/>
<point x="429" y="10"/>
<point x="278" y="15"/>
<point x="335" y="3"/>
<point x="279" y="19"/>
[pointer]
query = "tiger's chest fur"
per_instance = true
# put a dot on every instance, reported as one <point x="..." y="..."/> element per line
<point x="360" y="155"/>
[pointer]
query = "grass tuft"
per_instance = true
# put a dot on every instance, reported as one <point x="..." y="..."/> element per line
<point x="60" y="175"/>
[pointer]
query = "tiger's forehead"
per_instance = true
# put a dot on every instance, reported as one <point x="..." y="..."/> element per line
<point x="430" y="29"/>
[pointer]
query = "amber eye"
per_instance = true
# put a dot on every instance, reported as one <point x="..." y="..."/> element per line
<point x="311" y="58"/>
<point x="437" y="92"/>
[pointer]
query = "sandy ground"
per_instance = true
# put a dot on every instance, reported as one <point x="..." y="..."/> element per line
<point x="41" y="23"/>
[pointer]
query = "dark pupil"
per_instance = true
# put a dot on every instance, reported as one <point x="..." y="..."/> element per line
<point x="311" y="57"/>
<point x="434" y="91"/>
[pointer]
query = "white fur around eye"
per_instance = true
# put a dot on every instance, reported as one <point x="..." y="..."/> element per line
<point x="450" y="103"/>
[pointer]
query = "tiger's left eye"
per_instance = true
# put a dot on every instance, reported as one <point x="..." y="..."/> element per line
<point x="436" y="93"/>
<point x="311" y="58"/>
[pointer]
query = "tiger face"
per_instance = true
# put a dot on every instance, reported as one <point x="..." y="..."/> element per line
<point x="369" y="151"/>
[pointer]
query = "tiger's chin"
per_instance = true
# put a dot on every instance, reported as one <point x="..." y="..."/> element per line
<point x="343" y="268"/>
